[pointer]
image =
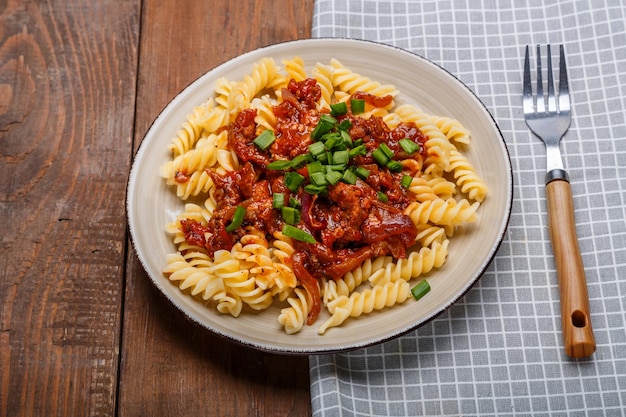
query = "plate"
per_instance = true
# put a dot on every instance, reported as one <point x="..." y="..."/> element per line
<point x="151" y="205"/>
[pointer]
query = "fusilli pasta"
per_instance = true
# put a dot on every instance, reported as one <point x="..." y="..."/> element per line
<point x="257" y="269"/>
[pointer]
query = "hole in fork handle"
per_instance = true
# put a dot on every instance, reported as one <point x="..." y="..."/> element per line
<point x="579" y="319"/>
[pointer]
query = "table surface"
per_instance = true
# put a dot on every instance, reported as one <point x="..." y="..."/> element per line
<point x="82" y="330"/>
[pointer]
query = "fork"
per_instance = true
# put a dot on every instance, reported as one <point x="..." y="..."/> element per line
<point x="549" y="116"/>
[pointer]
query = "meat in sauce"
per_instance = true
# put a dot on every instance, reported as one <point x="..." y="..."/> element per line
<point x="349" y="221"/>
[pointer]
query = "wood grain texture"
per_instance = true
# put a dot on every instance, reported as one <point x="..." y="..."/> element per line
<point x="67" y="98"/>
<point x="578" y="338"/>
<point x="169" y="366"/>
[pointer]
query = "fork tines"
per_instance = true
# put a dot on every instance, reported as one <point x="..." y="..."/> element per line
<point x="554" y="103"/>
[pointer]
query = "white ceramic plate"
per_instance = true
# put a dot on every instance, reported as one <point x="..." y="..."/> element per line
<point x="151" y="205"/>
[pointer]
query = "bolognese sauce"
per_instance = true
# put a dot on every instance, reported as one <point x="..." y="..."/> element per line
<point x="353" y="211"/>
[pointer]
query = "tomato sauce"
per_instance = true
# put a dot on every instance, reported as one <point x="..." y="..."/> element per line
<point x="350" y="223"/>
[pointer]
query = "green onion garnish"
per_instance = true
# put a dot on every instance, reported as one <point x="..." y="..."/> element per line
<point x="324" y="126"/>
<point x="293" y="202"/>
<point x="338" y="109"/>
<point x="278" y="200"/>
<point x="408" y="146"/>
<point x="290" y="215"/>
<point x="237" y="220"/>
<point x="317" y="149"/>
<point x="300" y="160"/>
<point x="382" y="196"/>
<point x="314" y="167"/>
<point x="386" y="149"/>
<point x="318" y="178"/>
<point x="406" y="181"/>
<point x="358" y="150"/>
<point x="421" y="289"/>
<point x="333" y="177"/>
<point x="315" y="189"/>
<point x="349" y="177"/>
<point x="394" y="166"/>
<point x="293" y="180"/>
<point x="341" y="157"/>
<point x="346" y="138"/>
<point x="362" y="172"/>
<point x="265" y="139"/>
<point x="380" y="157"/>
<point x="345" y="125"/>
<point x="336" y="167"/>
<point x="332" y="141"/>
<point x="279" y="165"/>
<point x="298" y="234"/>
<point x="357" y="106"/>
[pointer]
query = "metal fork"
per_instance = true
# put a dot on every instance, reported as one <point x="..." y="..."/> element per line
<point x="548" y="117"/>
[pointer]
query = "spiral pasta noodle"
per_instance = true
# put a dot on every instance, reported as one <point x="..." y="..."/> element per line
<point x="449" y="212"/>
<point x="452" y="128"/>
<point x="417" y="264"/>
<point x="257" y="271"/>
<point x="350" y="82"/>
<point x="323" y="74"/>
<point x="292" y="318"/>
<point x="466" y="177"/>
<point x="438" y="144"/>
<point x="359" y="303"/>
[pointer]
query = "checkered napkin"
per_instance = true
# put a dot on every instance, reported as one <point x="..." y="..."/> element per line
<point x="498" y="351"/>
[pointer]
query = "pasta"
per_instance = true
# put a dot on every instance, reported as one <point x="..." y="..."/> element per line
<point x="249" y="238"/>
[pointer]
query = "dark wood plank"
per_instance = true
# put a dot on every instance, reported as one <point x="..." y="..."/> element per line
<point x="170" y="367"/>
<point x="67" y="97"/>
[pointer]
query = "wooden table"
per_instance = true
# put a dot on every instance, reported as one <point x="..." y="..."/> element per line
<point x="82" y="330"/>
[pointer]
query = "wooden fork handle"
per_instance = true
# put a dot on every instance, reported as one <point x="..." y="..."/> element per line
<point x="578" y="338"/>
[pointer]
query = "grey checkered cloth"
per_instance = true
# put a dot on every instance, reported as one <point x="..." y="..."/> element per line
<point x="498" y="351"/>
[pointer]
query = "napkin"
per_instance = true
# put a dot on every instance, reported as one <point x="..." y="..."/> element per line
<point x="498" y="351"/>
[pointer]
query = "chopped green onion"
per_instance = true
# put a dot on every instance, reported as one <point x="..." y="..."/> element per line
<point x="298" y="234"/>
<point x="237" y="220"/>
<point x="300" y="160"/>
<point x="314" y="167"/>
<point x="293" y="202"/>
<point x="318" y="178"/>
<point x="338" y="109"/>
<point x="386" y="149"/>
<point x="279" y="165"/>
<point x="358" y="150"/>
<point x="293" y="180"/>
<point x="315" y="189"/>
<point x="346" y="139"/>
<point x="265" y="139"/>
<point x="382" y="196"/>
<point x="408" y="146"/>
<point x="323" y="158"/>
<point x="332" y="140"/>
<point x="345" y="125"/>
<point x="324" y="126"/>
<point x="394" y="166"/>
<point x="349" y="177"/>
<point x="290" y="215"/>
<point x="333" y="177"/>
<point x="406" y="181"/>
<point x="357" y="106"/>
<point x="380" y="157"/>
<point x="341" y="157"/>
<point x="336" y="167"/>
<point x="362" y="172"/>
<point x="421" y="289"/>
<point x="317" y="149"/>
<point x="278" y="200"/>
